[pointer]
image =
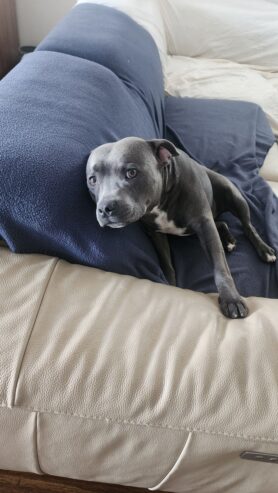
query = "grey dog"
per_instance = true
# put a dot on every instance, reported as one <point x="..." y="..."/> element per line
<point x="153" y="181"/>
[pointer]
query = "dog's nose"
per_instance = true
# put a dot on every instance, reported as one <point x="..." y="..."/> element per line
<point x="107" y="209"/>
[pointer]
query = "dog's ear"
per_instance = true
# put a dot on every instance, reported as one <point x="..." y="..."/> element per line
<point x="164" y="150"/>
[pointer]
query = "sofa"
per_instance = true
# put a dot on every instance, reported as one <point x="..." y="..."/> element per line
<point x="110" y="378"/>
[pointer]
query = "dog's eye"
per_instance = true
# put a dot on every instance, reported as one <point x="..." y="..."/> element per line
<point x="93" y="180"/>
<point x="131" y="173"/>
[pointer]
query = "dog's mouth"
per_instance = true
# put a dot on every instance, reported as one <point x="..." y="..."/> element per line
<point x="112" y="223"/>
<point x="116" y="225"/>
<point x="115" y="222"/>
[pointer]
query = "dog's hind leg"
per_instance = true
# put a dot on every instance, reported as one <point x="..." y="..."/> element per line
<point x="239" y="207"/>
<point x="228" y="198"/>
<point x="228" y="241"/>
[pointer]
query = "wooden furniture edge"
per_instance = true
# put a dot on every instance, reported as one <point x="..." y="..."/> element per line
<point x="23" y="482"/>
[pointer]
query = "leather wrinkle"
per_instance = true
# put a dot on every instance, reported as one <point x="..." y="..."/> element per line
<point x="14" y="391"/>
<point x="36" y="433"/>
<point x="175" y="465"/>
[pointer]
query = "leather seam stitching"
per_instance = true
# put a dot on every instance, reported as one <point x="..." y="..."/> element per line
<point x="149" y="425"/>
<point x="14" y="391"/>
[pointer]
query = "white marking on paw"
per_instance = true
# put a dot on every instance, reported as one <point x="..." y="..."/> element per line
<point x="270" y="258"/>
<point x="231" y="247"/>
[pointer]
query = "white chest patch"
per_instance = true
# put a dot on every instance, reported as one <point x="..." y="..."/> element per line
<point x="166" y="226"/>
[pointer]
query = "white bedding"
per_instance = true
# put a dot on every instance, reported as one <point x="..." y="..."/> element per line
<point x="244" y="31"/>
<point x="223" y="49"/>
<point x="207" y="78"/>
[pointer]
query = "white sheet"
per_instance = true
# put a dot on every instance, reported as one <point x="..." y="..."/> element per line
<point x="244" y="31"/>
<point x="205" y="78"/>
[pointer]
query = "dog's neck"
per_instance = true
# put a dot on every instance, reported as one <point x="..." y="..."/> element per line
<point x="170" y="178"/>
<point x="169" y="174"/>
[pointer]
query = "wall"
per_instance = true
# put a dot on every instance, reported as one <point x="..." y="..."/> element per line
<point x="37" y="17"/>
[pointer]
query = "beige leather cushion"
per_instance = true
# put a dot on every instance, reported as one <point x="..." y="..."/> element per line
<point x="115" y="379"/>
<point x="274" y="186"/>
<point x="269" y="170"/>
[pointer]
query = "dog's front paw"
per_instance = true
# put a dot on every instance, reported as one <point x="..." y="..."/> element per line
<point x="233" y="308"/>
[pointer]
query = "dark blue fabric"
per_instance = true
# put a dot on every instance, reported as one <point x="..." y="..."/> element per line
<point x="54" y="109"/>
<point x="97" y="78"/>
<point x="231" y="138"/>
<point x="111" y="38"/>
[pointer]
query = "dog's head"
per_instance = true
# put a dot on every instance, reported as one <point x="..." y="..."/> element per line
<point x="125" y="178"/>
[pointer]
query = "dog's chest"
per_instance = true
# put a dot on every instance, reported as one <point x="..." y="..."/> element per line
<point x="164" y="225"/>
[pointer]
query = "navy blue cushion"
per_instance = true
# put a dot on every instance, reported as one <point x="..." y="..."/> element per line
<point x="232" y="138"/>
<point x="109" y="37"/>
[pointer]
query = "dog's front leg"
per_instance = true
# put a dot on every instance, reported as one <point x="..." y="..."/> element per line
<point x="231" y="303"/>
